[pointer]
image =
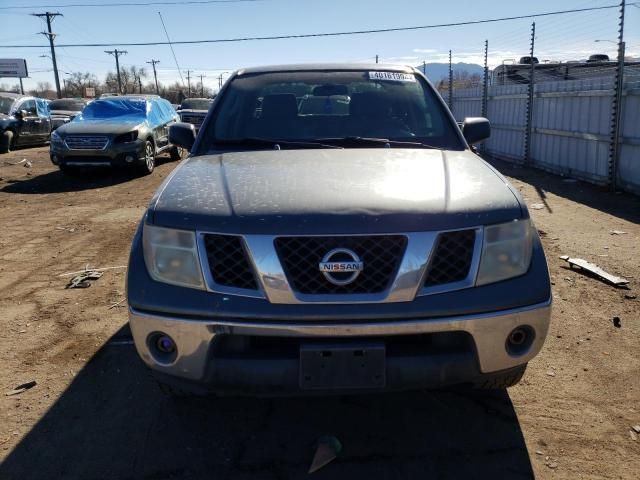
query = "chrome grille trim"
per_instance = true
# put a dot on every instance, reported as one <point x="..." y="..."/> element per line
<point x="86" y="142"/>
<point x="274" y="285"/>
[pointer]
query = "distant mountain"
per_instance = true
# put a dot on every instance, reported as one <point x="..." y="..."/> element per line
<point x="437" y="71"/>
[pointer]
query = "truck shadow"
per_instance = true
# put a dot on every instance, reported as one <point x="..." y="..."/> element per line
<point x="58" y="182"/>
<point x="112" y="422"/>
<point x="621" y="205"/>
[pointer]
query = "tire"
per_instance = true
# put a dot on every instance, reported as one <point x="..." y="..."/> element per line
<point x="149" y="160"/>
<point x="176" y="153"/>
<point x="502" y="380"/>
<point x="6" y="141"/>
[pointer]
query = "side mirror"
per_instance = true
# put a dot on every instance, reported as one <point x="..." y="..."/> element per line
<point x="182" y="134"/>
<point x="21" y="114"/>
<point x="476" y="129"/>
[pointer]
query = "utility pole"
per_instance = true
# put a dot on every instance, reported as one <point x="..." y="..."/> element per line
<point x="116" y="53"/>
<point x="450" y="84"/>
<point x="424" y="68"/>
<point x="376" y="58"/>
<point x="529" y="127"/>
<point x="616" y="106"/>
<point x="155" y="75"/>
<point x="189" y="82"/>
<point x="139" y="84"/>
<point x="50" y="35"/>
<point x="202" y="85"/>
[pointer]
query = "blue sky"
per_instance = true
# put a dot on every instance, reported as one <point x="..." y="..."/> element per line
<point x="565" y="37"/>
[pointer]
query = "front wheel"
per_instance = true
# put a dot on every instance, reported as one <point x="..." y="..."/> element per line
<point x="6" y="140"/>
<point x="176" y="153"/>
<point x="149" y="159"/>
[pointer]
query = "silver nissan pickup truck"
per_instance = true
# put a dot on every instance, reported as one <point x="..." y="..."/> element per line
<point x="355" y="245"/>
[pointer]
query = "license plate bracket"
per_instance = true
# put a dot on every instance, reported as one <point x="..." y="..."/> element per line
<point x="342" y="366"/>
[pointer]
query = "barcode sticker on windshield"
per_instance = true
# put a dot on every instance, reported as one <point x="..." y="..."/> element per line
<point x="392" y="76"/>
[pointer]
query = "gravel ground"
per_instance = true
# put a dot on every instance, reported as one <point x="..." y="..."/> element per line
<point x="95" y="413"/>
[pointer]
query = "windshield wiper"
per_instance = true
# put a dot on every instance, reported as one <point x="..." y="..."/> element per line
<point x="376" y="141"/>
<point x="276" y="144"/>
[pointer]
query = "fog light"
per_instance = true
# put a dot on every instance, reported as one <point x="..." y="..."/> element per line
<point x="163" y="348"/>
<point x="519" y="340"/>
<point x="129" y="158"/>
<point x="165" y="344"/>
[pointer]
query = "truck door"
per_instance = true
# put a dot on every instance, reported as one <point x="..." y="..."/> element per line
<point x="44" y="127"/>
<point x="28" y="127"/>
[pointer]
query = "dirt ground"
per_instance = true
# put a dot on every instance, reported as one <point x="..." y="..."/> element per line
<point x="95" y="413"/>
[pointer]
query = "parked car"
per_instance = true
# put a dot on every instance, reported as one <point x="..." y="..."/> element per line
<point x="194" y="110"/>
<point x="24" y="121"/>
<point x="65" y="109"/>
<point x="353" y="248"/>
<point x="123" y="130"/>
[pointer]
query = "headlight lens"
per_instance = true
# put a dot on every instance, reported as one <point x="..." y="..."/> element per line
<point x="506" y="251"/>
<point x="126" y="137"/>
<point x="171" y="256"/>
<point x="55" y="137"/>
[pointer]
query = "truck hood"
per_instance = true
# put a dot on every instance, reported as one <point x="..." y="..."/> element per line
<point x="99" y="127"/>
<point x="318" y="191"/>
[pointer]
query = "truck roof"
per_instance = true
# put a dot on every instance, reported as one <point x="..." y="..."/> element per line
<point x="319" y="67"/>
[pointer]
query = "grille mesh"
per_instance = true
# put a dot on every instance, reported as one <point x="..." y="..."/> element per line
<point x="86" y="142"/>
<point x="194" y="118"/>
<point x="228" y="262"/>
<point x="451" y="258"/>
<point x="301" y="256"/>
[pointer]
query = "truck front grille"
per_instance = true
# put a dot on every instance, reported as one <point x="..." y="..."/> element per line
<point x="86" y="142"/>
<point x="193" y="118"/>
<point x="301" y="256"/>
<point x="228" y="262"/>
<point x="451" y="258"/>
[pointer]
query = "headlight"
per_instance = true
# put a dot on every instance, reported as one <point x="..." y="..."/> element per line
<point x="506" y="251"/>
<point x="171" y="256"/>
<point x="55" y="137"/>
<point x="126" y="137"/>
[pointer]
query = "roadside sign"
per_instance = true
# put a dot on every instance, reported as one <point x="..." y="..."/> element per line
<point x="13" y="67"/>
<point x="89" y="92"/>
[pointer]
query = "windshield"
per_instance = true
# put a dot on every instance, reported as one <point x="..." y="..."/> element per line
<point x="195" y="104"/>
<point x="5" y="104"/>
<point x="308" y="106"/>
<point x="67" y="104"/>
<point x="115" y="108"/>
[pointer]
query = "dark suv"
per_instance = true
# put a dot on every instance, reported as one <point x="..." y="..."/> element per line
<point x="123" y="130"/>
<point x="332" y="231"/>
<point x="194" y="111"/>
<point x="24" y="121"/>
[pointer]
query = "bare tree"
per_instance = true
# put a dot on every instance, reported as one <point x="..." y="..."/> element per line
<point x="78" y="81"/>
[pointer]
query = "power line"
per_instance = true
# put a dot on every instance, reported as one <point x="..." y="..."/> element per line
<point x="171" y="46"/>
<point x="328" y="34"/>
<point x="127" y="4"/>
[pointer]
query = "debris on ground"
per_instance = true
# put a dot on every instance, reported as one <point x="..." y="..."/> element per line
<point x="595" y="270"/>
<point x="551" y="373"/>
<point x="21" y="388"/>
<point x="617" y="232"/>
<point x="117" y="304"/>
<point x="87" y="268"/>
<point x="28" y="164"/>
<point x="636" y="428"/>
<point x="537" y="206"/>
<point x="630" y="296"/>
<point x="633" y="435"/>
<point x="616" y="322"/>
<point x="327" y="449"/>
<point x="84" y="279"/>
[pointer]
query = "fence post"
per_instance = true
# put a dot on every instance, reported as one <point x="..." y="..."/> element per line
<point x="485" y="86"/>
<point x="529" y="127"/>
<point x="450" y="84"/>
<point x="616" y="106"/>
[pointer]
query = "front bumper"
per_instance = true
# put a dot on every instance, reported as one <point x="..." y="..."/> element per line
<point x="114" y="154"/>
<point x="198" y="362"/>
